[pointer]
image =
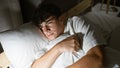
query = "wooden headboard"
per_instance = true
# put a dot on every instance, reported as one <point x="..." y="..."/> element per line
<point x="79" y="8"/>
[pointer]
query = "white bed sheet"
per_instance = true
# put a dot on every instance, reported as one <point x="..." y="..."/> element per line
<point x="108" y="24"/>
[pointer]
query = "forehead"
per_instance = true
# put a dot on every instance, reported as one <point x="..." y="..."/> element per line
<point x="51" y="18"/>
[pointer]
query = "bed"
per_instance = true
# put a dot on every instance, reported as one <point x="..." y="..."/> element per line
<point x="110" y="27"/>
<point x="109" y="24"/>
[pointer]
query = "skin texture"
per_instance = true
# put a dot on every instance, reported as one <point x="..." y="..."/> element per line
<point x="52" y="28"/>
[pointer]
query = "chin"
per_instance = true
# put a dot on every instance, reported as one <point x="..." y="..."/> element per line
<point x="51" y="38"/>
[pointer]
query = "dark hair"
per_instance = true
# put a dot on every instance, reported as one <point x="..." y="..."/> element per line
<point x="44" y="11"/>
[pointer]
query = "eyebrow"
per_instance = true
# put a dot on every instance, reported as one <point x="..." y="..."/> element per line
<point x="49" y="19"/>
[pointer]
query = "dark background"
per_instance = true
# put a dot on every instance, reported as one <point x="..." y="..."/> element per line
<point x="28" y="6"/>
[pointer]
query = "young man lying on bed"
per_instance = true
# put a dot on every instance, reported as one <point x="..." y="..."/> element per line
<point x="71" y="45"/>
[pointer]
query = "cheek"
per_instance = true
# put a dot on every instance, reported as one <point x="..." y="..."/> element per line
<point x="56" y="28"/>
<point x="57" y="32"/>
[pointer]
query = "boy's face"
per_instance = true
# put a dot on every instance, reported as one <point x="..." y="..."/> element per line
<point x="52" y="28"/>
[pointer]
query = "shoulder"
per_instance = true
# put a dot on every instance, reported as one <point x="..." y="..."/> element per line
<point x="76" y="18"/>
<point x="76" y="21"/>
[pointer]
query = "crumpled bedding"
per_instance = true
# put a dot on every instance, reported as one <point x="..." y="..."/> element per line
<point x="108" y="23"/>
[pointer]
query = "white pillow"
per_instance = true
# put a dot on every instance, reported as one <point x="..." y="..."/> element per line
<point x="21" y="45"/>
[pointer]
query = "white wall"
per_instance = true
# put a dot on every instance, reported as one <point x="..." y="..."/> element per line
<point x="10" y="14"/>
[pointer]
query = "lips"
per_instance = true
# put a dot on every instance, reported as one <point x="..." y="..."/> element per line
<point x="50" y="35"/>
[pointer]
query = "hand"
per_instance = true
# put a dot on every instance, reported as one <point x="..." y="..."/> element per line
<point x="70" y="44"/>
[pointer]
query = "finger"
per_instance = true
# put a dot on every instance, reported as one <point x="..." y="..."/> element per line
<point x="77" y="47"/>
<point x="69" y="38"/>
<point x="72" y="36"/>
<point x="75" y="54"/>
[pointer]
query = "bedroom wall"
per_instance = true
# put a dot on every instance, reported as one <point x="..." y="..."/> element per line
<point x="10" y="14"/>
<point x="5" y="22"/>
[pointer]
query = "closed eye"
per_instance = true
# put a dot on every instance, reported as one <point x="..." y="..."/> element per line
<point x="49" y="22"/>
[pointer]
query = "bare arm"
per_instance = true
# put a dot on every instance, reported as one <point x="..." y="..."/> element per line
<point x="48" y="59"/>
<point x="93" y="59"/>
